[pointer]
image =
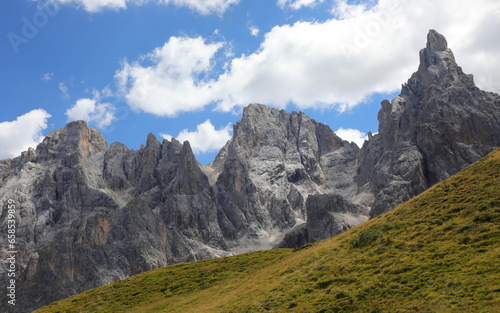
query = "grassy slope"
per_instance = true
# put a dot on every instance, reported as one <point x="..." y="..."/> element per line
<point x="439" y="252"/>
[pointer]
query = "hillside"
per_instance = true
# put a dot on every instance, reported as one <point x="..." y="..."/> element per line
<point x="436" y="253"/>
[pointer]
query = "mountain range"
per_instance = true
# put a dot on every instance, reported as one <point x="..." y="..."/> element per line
<point x="435" y="253"/>
<point x="92" y="213"/>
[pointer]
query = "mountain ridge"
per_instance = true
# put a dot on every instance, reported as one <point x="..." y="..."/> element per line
<point x="437" y="252"/>
<point x="439" y="124"/>
<point x="102" y="213"/>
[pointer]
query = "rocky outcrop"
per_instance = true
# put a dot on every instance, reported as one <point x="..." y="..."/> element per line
<point x="89" y="214"/>
<point x="330" y="214"/>
<point x="327" y="215"/>
<point x="274" y="161"/>
<point x="439" y="124"/>
<point x="294" y="238"/>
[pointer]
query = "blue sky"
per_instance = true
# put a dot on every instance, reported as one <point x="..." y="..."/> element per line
<point x="186" y="68"/>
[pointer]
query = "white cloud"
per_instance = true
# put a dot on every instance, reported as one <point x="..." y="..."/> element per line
<point x="47" y="76"/>
<point x="352" y="135"/>
<point x="371" y="50"/>
<point x="26" y="131"/>
<point x="205" y="139"/>
<point x="172" y="84"/>
<point x="106" y="92"/>
<point x="201" y="6"/>
<point x="98" y="5"/>
<point x="297" y="4"/>
<point x="166" y="136"/>
<point x="343" y="10"/>
<point x="254" y="31"/>
<point x="64" y="90"/>
<point x="341" y="62"/>
<point x="90" y="110"/>
<point x="204" y="6"/>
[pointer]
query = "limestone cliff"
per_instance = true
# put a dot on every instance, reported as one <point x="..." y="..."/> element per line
<point x="274" y="161"/>
<point x="89" y="214"/>
<point x="439" y="124"/>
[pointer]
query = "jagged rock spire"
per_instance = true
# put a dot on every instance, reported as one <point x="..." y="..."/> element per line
<point x="436" y="41"/>
<point x="438" y="65"/>
<point x="439" y="124"/>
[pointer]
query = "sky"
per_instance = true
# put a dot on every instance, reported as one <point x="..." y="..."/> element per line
<point x="185" y="69"/>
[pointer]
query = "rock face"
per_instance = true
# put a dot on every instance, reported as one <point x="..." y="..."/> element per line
<point x="270" y="166"/>
<point x="330" y="214"/>
<point x="327" y="215"/>
<point x="88" y="213"/>
<point x="439" y="124"/>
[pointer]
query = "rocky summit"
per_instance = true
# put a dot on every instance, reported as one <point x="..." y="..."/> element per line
<point x="439" y="124"/>
<point x="89" y="214"/>
<point x="274" y="161"/>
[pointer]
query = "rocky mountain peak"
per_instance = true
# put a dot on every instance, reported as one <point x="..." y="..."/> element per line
<point x="152" y="141"/>
<point x="274" y="161"/>
<point x="438" y="66"/>
<point x="76" y="137"/>
<point x="254" y="108"/>
<point x="439" y="124"/>
<point x="93" y="214"/>
<point x="436" y="41"/>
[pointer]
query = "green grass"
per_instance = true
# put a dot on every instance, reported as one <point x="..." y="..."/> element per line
<point x="439" y="252"/>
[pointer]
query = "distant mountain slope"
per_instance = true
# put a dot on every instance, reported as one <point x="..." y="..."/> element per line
<point x="436" y="253"/>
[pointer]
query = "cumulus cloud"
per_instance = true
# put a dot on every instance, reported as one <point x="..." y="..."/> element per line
<point x="338" y="63"/>
<point x="173" y="84"/>
<point x="201" y="6"/>
<point x="352" y="135"/>
<point x="205" y="139"/>
<point x="344" y="10"/>
<point x="341" y="62"/>
<point x="90" y="110"/>
<point x="26" y="131"/>
<point x="297" y="4"/>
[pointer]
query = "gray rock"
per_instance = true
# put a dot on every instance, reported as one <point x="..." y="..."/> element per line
<point x="88" y="214"/>
<point x="330" y="214"/>
<point x="295" y="238"/>
<point x="327" y="215"/>
<point x="439" y="124"/>
<point x="270" y="166"/>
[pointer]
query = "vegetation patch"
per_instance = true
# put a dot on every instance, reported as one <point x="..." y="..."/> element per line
<point x="365" y="238"/>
